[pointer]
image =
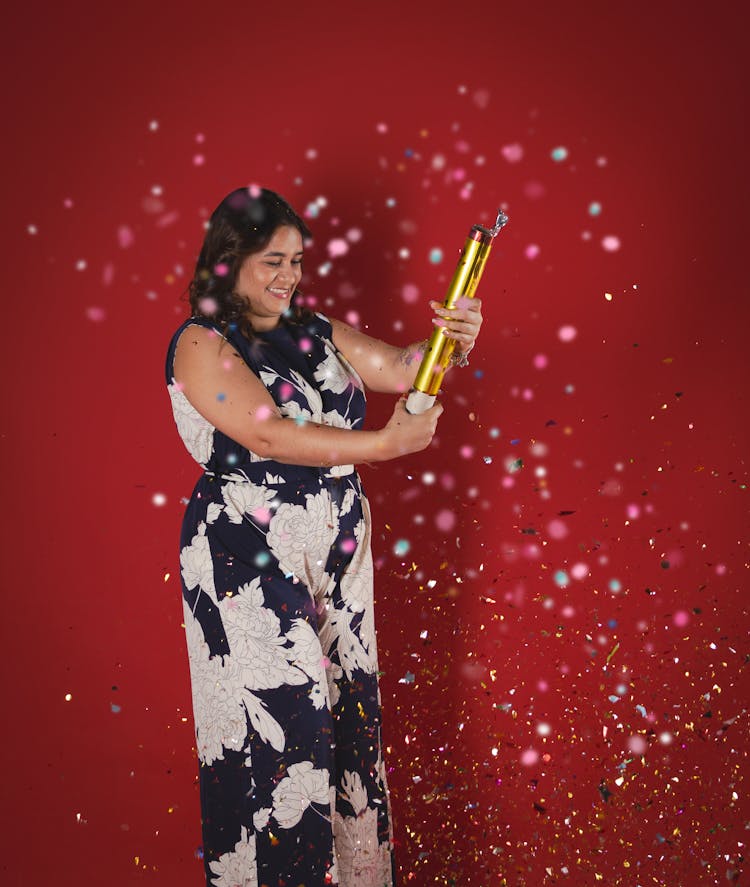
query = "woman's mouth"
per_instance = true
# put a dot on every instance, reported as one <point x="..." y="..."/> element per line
<point x="279" y="293"/>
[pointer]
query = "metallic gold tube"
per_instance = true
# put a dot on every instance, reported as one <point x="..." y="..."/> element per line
<point x="464" y="284"/>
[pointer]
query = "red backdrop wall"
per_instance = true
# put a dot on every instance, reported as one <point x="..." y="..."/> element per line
<point x="561" y="577"/>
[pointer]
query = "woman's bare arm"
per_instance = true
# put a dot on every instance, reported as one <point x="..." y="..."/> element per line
<point x="389" y="369"/>
<point x="222" y="388"/>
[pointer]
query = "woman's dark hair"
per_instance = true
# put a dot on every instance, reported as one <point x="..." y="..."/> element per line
<point x="243" y="223"/>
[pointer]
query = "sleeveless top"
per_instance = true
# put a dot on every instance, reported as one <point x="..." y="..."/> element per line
<point x="308" y="379"/>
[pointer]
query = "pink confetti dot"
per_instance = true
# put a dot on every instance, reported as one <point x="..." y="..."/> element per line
<point x="208" y="306"/>
<point x="579" y="571"/>
<point x="354" y="235"/>
<point x="534" y="190"/>
<point x="567" y="333"/>
<point x="337" y="247"/>
<point x="568" y="611"/>
<point x="445" y="520"/>
<point x="721" y="569"/>
<point x="198" y="159"/>
<point x="221" y="269"/>
<point x="348" y="545"/>
<point x="557" y="529"/>
<point x="632" y="511"/>
<point x="410" y="293"/>
<point x="447" y="481"/>
<point x="466" y="451"/>
<point x="254" y="191"/>
<point x="262" y="413"/>
<point x="541" y="361"/>
<point x="108" y="274"/>
<point x="681" y="618"/>
<point x="532" y="251"/>
<point x="529" y="757"/>
<point x="481" y="98"/>
<point x="527" y="394"/>
<point x="262" y="515"/>
<point x="305" y="344"/>
<point x="96" y="314"/>
<point x="286" y="390"/>
<point x="508" y="482"/>
<point x="637" y="744"/>
<point x="542" y="685"/>
<point x="125" y="236"/>
<point x="512" y="153"/>
<point x="352" y="318"/>
<point x="611" y="243"/>
<point x="325" y="662"/>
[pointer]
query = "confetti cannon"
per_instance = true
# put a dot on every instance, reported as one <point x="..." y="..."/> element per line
<point x="463" y="286"/>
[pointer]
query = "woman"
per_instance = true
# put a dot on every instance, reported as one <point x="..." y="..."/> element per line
<point x="275" y="557"/>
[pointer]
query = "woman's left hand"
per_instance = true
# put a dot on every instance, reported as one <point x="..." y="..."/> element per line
<point x="461" y="323"/>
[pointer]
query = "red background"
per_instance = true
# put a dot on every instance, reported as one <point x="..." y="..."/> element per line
<point x="631" y="438"/>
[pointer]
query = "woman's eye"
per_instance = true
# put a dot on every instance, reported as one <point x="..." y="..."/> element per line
<point x="296" y="261"/>
<point x="274" y="264"/>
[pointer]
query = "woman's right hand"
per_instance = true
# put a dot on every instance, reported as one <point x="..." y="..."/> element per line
<point x="406" y="433"/>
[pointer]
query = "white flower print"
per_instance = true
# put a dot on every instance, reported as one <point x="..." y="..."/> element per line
<point x="352" y="653"/>
<point x="300" y="537"/>
<point x="260" y="818"/>
<point x="347" y="503"/>
<point x="362" y="861"/>
<point x="303" y="786"/>
<point x="331" y="373"/>
<point x="196" y="432"/>
<point x="196" y="564"/>
<point x="243" y="499"/>
<point x="218" y="709"/>
<point x="255" y="640"/>
<point x="307" y="655"/>
<point x="238" y="868"/>
<point x="213" y="511"/>
<point x="291" y="408"/>
<point x="221" y="701"/>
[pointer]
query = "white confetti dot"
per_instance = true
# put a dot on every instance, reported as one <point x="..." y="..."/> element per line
<point x="159" y="499"/>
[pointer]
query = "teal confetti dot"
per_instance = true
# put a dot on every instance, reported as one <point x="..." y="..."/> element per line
<point x="262" y="559"/>
<point x="595" y="208"/>
<point x="494" y="433"/>
<point x="401" y="547"/>
<point x="561" y="579"/>
<point x="615" y="585"/>
<point x="221" y="396"/>
<point x="558" y="154"/>
<point x="436" y="255"/>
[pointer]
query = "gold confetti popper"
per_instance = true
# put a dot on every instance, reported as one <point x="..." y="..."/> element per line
<point x="463" y="286"/>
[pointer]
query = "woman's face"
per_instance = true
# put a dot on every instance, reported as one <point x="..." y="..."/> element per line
<point x="268" y="278"/>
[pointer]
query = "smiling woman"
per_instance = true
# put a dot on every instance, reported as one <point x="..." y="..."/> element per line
<point x="276" y="567"/>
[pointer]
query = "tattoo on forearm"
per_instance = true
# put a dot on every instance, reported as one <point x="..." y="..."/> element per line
<point x="413" y="352"/>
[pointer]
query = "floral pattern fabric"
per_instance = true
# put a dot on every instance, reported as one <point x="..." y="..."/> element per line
<point x="277" y="582"/>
